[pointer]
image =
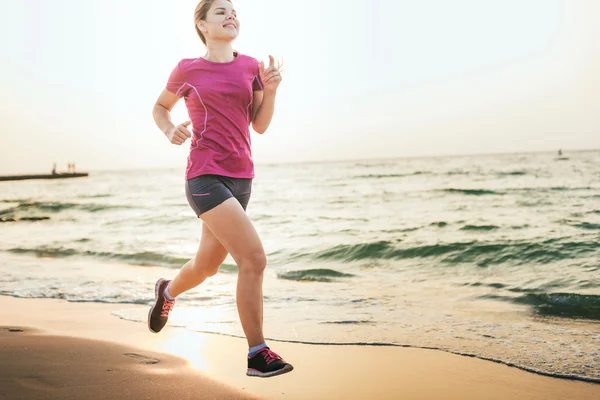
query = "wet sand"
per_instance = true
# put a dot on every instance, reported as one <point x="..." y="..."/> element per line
<point x="53" y="349"/>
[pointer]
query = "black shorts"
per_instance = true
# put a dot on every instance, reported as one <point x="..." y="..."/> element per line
<point x="205" y="192"/>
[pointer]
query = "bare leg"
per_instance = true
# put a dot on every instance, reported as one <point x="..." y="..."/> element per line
<point x="232" y="227"/>
<point x="205" y="264"/>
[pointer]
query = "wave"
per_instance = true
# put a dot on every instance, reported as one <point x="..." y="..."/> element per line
<point x="483" y="192"/>
<point x="490" y="285"/>
<point x="565" y="305"/>
<point x="512" y="173"/>
<point x="342" y="219"/>
<point x="565" y="188"/>
<point x="313" y="275"/>
<point x="404" y="230"/>
<point x="549" y="189"/>
<point x="518" y="227"/>
<point x="457" y="172"/>
<point x="63" y="296"/>
<point x="384" y="176"/>
<point x="439" y="224"/>
<point x="471" y="192"/>
<point x="58" y="206"/>
<point x="146" y="258"/>
<point x="480" y="253"/>
<point x="587" y="225"/>
<point x="19" y="219"/>
<point x="479" y="228"/>
<point x="14" y="200"/>
<point x="534" y="203"/>
<point x="448" y="173"/>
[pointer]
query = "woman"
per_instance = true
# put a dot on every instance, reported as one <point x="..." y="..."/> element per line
<point x="224" y="92"/>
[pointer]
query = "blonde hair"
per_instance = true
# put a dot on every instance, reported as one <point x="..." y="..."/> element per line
<point x="200" y="15"/>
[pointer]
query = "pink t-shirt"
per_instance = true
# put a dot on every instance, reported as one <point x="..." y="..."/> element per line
<point x="218" y="97"/>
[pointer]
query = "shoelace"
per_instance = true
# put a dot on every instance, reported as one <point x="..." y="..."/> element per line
<point x="269" y="355"/>
<point x="166" y="307"/>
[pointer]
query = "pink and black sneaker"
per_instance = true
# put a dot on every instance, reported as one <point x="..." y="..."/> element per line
<point x="267" y="363"/>
<point x="159" y="313"/>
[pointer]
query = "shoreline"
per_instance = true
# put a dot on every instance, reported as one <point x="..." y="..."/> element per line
<point x="397" y="345"/>
<point x="407" y="346"/>
<point x="321" y="371"/>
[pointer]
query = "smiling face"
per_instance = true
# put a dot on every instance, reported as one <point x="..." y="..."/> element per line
<point x="217" y="21"/>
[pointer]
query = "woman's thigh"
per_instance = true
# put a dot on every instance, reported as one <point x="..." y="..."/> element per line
<point x="231" y="226"/>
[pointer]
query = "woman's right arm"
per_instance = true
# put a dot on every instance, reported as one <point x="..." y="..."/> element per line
<point x="162" y="116"/>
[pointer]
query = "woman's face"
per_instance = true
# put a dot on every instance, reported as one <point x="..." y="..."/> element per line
<point x="221" y="22"/>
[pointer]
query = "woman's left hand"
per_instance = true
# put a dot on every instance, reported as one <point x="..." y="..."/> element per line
<point x="271" y="77"/>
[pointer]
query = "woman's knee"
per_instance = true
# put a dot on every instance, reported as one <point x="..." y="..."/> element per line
<point x="253" y="261"/>
<point x="203" y="270"/>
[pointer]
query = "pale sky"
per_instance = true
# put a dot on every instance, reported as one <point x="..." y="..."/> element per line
<point x="363" y="79"/>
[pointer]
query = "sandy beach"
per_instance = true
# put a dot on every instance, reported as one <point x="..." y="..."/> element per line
<point x="55" y="349"/>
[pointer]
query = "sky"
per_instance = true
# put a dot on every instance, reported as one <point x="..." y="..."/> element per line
<point x="362" y="80"/>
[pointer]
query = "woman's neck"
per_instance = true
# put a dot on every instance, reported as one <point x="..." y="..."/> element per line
<point x="219" y="52"/>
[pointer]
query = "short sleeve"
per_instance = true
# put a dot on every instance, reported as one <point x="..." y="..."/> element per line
<point x="257" y="83"/>
<point x="176" y="81"/>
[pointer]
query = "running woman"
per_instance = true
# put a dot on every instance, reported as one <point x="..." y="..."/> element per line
<point x="224" y="92"/>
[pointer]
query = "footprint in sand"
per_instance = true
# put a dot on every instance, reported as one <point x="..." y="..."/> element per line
<point x="142" y="359"/>
<point x="37" y="383"/>
<point x="11" y="329"/>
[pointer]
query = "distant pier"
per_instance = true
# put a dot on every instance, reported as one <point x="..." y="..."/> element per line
<point x="43" y="176"/>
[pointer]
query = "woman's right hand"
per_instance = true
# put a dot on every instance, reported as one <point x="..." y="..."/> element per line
<point x="179" y="134"/>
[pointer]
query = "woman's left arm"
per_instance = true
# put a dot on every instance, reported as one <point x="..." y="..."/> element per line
<point x="264" y="100"/>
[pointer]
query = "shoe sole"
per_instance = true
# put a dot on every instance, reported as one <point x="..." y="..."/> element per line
<point x="286" y="369"/>
<point x="155" y="300"/>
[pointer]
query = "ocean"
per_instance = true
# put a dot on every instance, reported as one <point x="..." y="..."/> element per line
<point x="492" y="256"/>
